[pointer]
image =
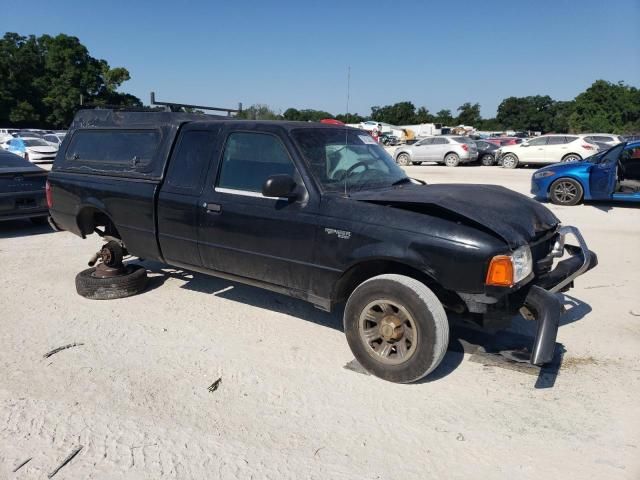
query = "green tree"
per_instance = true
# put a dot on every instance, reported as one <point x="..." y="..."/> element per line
<point x="444" y="117"/>
<point x="259" y="112"/>
<point x="469" y="114"/>
<point x="538" y="113"/>
<point x="306" y="115"/>
<point x="42" y="79"/>
<point x="402" y="113"/>
<point x="350" y="118"/>
<point x="606" y="107"/>
<point x="423" y="116"/>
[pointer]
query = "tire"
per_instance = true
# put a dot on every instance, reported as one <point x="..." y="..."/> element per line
<point x="405" y="298"/>
<point x="416" y="163"/>
<point x="451" y="160"/>
<point x="488" y="160"/>
<point x="572" y="157"/>
<point x="566" y="191"/>
<point x="403" y="159"/>
<point x="509" y="161"/>
<point x="121" y="286"/>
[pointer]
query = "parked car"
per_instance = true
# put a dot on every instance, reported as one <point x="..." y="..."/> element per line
<point x="502" y="141"/>
<point x="54" y="138"/>
<point x="450" y="150"/>
<point x="546" y="149"/>
<point x="610" y="175"/>
<point x="631" y="138"/>
<point x="486" y="152"/>
<point x="606" y="138"/>
<point x="318" y="212"/>
<point x="33" y="149"/>
<point x="389" y="140"/>
<point x="22" y="189"/>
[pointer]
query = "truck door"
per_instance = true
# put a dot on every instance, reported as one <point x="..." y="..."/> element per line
<point x="178" y="206"/>
<point x="246" y="234"/>
<point x="602" y="178"/>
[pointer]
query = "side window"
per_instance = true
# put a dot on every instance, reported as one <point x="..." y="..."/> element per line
<point x="189" y="164"/>
<point x="426" y="141"/>
<point x="557" y="140"/>
<point x="538" y="142"/>
<point x="440" y="141"/>
<point x="250" y="158"/>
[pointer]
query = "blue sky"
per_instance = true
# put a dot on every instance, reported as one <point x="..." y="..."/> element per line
<point x="296" y="53"/>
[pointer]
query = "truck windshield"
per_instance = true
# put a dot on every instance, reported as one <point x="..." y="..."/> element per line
<point x="344" y="159"/>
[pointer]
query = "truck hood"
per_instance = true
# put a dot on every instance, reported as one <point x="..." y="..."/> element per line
<point x="515" y="218"/>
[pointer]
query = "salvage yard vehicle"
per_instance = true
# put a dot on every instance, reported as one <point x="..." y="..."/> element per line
<point x="33" y="149"/>
<point x="450" y="150"/>
<point x="610" y="175"/>
<point x="486" y="152"/>
<point x="317" y="212"/>
<point x="22" y="190"/>
<point x="546" y="149"/>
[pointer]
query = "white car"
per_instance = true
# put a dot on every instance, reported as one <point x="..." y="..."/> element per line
<point x="54" y="138"/>
<point x="607" y="138"/>
<point x="33" y="149"/>
<point x="546" y="149"/>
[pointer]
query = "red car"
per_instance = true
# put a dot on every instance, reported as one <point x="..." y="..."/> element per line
<point x="502" y="141"/>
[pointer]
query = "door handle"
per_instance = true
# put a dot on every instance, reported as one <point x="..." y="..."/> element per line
<point x="212" y="207"/>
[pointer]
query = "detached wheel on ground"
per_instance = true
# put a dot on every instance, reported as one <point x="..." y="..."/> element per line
<point x="451" y="160"/>
<point x="565" y="191"/>
<point x="396" y="328"/>
<point x="131" y="282"/>
<point x="488" y="160"/>
<point x="509" y="161"/>
<point x="403" y="159"/>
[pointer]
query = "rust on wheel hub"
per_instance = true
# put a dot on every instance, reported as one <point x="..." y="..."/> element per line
<point x="391" y="328"/>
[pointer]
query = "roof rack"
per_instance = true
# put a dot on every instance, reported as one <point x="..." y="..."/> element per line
<point x="178" y="107"/>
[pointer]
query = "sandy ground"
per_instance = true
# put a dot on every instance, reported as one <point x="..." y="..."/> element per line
<point x="135" y="393"/>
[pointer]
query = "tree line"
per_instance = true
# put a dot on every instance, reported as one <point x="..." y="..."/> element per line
<point x="604" y="107"/>
<point x="43" y="78"/>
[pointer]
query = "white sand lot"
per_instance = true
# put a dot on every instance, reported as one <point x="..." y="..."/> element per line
<point x="135" y="394"/>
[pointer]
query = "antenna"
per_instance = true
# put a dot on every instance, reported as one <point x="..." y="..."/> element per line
<point x="346" y="132"/>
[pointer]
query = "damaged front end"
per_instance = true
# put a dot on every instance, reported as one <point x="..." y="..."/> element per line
<point x="536" y="300"/>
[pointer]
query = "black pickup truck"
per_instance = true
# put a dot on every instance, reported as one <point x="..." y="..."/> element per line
<point x="318" y="212"/>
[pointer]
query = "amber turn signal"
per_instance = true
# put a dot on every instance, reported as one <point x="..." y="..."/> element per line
<point x="500" y="272"/>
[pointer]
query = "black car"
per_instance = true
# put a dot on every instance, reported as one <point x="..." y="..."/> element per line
<point x="22" y="189"/>
<point x="486" y="152"/>
<point x="317" y="212"/>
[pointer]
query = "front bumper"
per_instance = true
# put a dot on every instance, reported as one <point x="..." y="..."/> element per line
<point x="542" y="304"/>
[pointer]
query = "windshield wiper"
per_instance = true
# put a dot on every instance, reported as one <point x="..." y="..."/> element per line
<point x="401" y="181"/>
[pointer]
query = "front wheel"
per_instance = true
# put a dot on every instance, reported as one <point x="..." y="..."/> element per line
<point x="572" y="157"/>
<point x="396" y="328"/>
<point x="565" y="191"/>
<point x="403" y="159"/>
<point x="509" y="161"/>
<point x="452" y="160"/>
<point x="488" y="160"/>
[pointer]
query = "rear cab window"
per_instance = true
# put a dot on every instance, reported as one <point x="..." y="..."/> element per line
<point x="133" y="148"/>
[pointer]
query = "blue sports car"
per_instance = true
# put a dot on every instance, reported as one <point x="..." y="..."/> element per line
<point x="610" y="175"/>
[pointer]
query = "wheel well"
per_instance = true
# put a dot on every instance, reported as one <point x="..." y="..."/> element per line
<point x="90" y="218"/>
<point x="576" y="154"/>
<point x="361" y="272"/>
<point x="455" y="153"/>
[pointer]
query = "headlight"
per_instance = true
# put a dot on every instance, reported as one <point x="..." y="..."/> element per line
<point x="544" y="174"/>
<point x="507" y="270"/>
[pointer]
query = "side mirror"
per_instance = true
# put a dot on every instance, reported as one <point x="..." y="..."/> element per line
<point x="282" y="185"/>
